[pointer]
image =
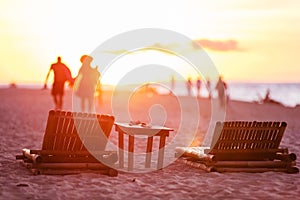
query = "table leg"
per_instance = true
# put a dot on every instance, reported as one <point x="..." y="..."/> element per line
<point x="161" y="152"/>
<point x="130" y="152"/>
<point x="121" y="149"/>
<point x="149" y="152"/>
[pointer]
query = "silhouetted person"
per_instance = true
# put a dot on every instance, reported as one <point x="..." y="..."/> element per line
<point x="61" y="74"/>
<point x="172" y="85"/>
<point x="198" y="86"/>
<point x="267" y="97"/>
<point x="86" y="81"/>
<point x="189" y="86"/>
<point x="208" y="86"/>
<point x="221" y="88"/>
<point x="99" y="92"/>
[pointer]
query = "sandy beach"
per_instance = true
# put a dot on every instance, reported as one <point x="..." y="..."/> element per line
<point x="23" y="114"/>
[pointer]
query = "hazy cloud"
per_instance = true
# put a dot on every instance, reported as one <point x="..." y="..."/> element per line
<point x="215" y="45"/>
<point x="118" y="52"/>
<point x="157" y="46"/>
<point x="218" y="45"/>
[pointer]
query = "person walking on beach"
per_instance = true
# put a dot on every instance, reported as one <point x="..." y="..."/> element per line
<point x="172" y="85"/>
<point x="99" y="93"/>
<point x="86" y="82"/>
<point x="198" y="86"/>
<point x="61" y="74"/>
<point x="208" y="87"/>
<point x="189" y="86"/>
<point x="221" y="88"/>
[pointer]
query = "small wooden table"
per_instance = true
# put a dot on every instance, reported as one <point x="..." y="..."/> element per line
<point x="132" y="131"/>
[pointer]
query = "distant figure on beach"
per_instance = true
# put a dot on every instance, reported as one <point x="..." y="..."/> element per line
<point x="198" y="86"/>
<point x="267" y="97"/>
<point x="221" y="88"/>
<point x="208" y="87"/>
<point x="61" y="74"/>
<point x="86" y="82"/>
<point x="172" y="85"/>
<point x="12" y="85"/>
<point x="99" y="92"/>
<point x="189" y="85"/>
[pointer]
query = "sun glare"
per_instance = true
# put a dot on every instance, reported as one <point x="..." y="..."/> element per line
<point x="146" y="66"/>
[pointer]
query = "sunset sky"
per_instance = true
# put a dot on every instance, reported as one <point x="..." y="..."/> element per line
<point x="249" y="41"/>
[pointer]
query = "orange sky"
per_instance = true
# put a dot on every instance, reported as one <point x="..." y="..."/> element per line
<point x="249" y="41"/>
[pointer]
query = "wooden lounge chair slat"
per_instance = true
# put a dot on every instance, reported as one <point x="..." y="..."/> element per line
<point x="244" y="146"/>
<point x="68" y="139"/>
<point x="71" y="138"/>
<point x="258" y="137"/>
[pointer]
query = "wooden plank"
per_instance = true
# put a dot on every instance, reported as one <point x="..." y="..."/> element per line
<point x="63" y="147"/>
<point x="291" y="170"/>
<point x="106" y="158"/>
<point x="238" y="135"/>
<point x="66" y="152"/>
<point x="121" y="148"/>
<point x="59" y="137"/>
<point x="74" y="135"/>
<point x="69" y="131"/>
<point x="86" y="125"/>
<point x="95" y="166"/>
<point x="104" y="129"/>
<point x="286" y="156"/>
<point x="106" y="122"/>
<point x="161" y="152"/>
<point x="48" y="141"/>
<point x="130" y="152"/>
<point x="65" y="132"/>
<point x="149" y="152"/>
<point x="244" y="154"/>
<point x="242" y="144"/>
<point x="91" y="139"/>
<point x="252" y="164"/>
<point x="207" y="168"/>
<point x="79" y="126"/>
<point x="110" y="172"/>
<point x="198" y="165"/>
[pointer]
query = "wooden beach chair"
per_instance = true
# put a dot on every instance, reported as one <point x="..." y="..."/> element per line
<point x="73" y="142"/>
<point x="243" y="146"/>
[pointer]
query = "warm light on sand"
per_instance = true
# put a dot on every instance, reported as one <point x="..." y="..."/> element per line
<point x="24" y="123"/>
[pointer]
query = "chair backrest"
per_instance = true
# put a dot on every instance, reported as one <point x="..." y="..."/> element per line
<point x="73" y="131"/>
<point x="244" y="137"/>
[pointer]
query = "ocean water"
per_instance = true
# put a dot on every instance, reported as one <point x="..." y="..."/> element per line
<point x="286" y="93"/>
